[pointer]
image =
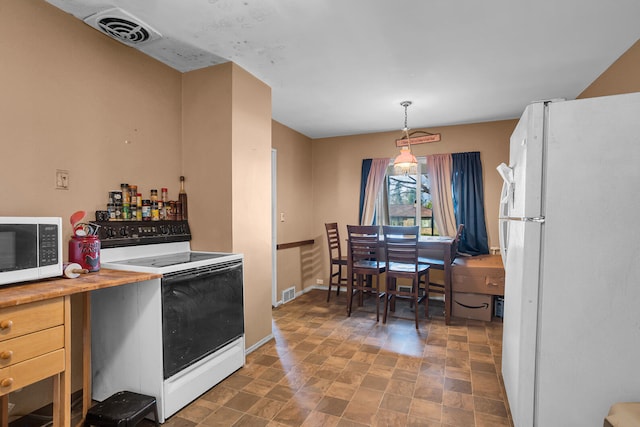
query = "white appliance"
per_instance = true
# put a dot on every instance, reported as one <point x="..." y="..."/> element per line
<point x="173" y="338"/>
<point x="30" y="248"/>
<point x="570" y="241"/>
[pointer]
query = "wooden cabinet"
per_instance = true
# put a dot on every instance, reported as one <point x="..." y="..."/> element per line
<point x="35" y="336"/>
<point x="34" y="345"/>
<point x="31" y="343"/>
<point x="17" y="350"/>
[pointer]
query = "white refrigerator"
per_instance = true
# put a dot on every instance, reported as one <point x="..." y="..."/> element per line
<point x="570" y="243"/>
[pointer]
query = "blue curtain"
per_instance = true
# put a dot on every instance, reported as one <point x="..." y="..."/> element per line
<point x="468" y="202"/>
<point x="366" y="167"/>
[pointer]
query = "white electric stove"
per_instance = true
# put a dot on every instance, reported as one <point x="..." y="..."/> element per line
<point x="173" y="338"/>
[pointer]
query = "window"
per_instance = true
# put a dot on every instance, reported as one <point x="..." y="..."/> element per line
<point x="403" y="192"/>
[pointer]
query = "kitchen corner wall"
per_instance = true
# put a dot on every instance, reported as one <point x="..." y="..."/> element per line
<point x="251" y="198"/>
<point x="74" y="99"/>
<point x="227" y="161"/>
<point x="70" y="99"/>
<point x="77" y="100"/>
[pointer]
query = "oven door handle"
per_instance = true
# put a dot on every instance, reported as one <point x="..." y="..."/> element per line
<point x="202" y="271"/>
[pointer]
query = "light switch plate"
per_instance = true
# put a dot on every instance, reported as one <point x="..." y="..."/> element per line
<point x="62" y="179"/>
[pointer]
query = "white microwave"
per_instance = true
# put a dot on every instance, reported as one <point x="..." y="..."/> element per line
<point x="30" y="248"/>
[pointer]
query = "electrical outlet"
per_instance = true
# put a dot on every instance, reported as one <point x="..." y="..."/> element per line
<point x="319" y="282"/>
<point x="62" y="179"/>
<point x="281" y="216"/>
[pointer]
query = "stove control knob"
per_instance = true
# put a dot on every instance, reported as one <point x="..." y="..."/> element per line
<point x="110" y="232"/>
<point x="124" y="232"/>
<point x="164" y="229"/>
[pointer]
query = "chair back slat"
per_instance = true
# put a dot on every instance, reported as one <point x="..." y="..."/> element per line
<point x="363" y="242"/>
<point x="333" y="239"/>
<point x="364" y="265"/>
<point x="401" y="244"/>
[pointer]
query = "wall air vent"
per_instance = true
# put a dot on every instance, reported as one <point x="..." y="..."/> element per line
<point x="122" y="26"/>
<point x="288" y="294"/>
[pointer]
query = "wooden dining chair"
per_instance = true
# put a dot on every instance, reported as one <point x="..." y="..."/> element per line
<point x="337" y="261"/>
<point x="438" y="264"/>
<point x="401" y="251"/>
<point x="364" y="264"/>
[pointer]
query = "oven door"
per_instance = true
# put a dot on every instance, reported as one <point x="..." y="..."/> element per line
<point x="202" y="310"/>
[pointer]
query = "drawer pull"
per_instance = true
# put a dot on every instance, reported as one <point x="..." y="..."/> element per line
<point x="6" y="382"/>
<point x="6" y="324"/>
<point x="6" y="354"/>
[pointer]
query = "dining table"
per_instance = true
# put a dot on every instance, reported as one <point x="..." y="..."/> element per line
<point x="437" y="246"/>
<point x="441" y="245"/>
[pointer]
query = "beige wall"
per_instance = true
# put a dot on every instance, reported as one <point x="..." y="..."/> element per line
<point x="72" y="98"/>
<point x="623" y="76"/>
<point x="69" y="99"/>
<point x="337" y="164"/>
<point x="206" y="155"/>
<point x="294" y="200"/>
<point x="227" y="162"/>
<point x="251" y="198"/>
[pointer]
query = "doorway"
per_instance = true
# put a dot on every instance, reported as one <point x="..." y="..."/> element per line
<point x="274" y="227"/>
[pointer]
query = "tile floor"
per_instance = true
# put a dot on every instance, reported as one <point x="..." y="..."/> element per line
<point x="326" y="369"/>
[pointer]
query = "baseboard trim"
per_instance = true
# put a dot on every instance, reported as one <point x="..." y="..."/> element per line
<point x="259" y="344"/>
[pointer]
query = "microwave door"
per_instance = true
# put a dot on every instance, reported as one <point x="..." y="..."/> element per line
<point x="7" y="250"/>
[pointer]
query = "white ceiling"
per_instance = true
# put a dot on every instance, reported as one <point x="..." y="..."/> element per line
<point x="341" y="67"/>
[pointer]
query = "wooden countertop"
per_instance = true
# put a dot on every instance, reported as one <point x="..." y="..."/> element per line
<point x="22" y="293"/>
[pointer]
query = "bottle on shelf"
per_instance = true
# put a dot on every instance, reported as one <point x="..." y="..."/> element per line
<point x="164" y="199"/>
<point x="146" y="210"/>
<point x="155" y="213"/>
<point x="126" y="202"/>
<point x="139" y="207"/>
<point x="182" y="198"/>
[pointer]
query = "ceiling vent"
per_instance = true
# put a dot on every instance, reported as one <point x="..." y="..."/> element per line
<point x="122" y="26"/>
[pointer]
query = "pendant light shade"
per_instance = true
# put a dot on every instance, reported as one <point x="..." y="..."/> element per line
<point x="405" y="162"/>
<point x="405" y="159"/>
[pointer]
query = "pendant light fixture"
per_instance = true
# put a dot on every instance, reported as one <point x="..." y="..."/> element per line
<point x="405" y="162"/>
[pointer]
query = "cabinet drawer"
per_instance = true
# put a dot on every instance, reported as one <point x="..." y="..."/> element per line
<point x="488" y="284"/>
<point x="19" y="349"/>
<point x="24" y="373"/>
<point x="27" y="318"/>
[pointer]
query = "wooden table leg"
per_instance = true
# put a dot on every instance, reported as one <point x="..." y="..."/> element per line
<point x="447" y="285"/>
<point x="62" y="381"/>
<point x="86" y="354"/>
<point x="4" y="410"/>
<point x="58" y="416"/>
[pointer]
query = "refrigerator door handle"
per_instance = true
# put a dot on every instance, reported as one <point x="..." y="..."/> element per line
<point x="508" y="186"/>
<point x="503" y="229"/>
<point x="538" y="219"/>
